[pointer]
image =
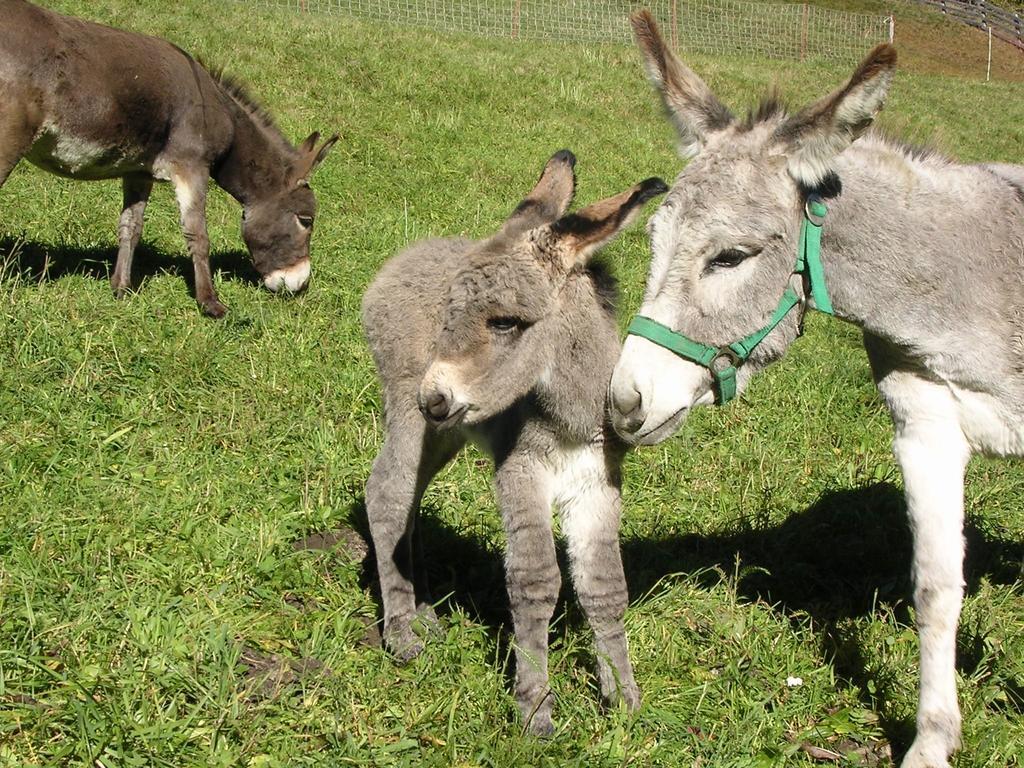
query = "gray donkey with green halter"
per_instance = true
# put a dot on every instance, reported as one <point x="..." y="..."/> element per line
<point x="510" y="342"/>
<point x="924" y="253"/>
<point x="89" y="102"/>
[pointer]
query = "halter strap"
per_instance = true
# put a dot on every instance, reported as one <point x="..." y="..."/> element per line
<point x="723" y="362"/>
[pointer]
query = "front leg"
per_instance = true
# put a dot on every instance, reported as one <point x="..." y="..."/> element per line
<point x="190" y="190"/>
<point x="932" y="453"/>
<point x="412" y="454"/>
<point x="532" y="579"/>
<point x="591" y="504"/>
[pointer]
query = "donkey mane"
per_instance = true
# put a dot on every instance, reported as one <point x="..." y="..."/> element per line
<point x="239" y="92"/>
<point x="921" y="151"/>
<point x="773" y="108"/>
<point x="606" y="285"/>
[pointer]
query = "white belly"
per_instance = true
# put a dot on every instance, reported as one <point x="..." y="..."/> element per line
<point x="577" y="472"/>
<point x="68" y="155"/>
<point x="989" y="426"/>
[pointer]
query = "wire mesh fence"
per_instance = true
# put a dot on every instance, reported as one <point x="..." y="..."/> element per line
<point x="737" y="27"/>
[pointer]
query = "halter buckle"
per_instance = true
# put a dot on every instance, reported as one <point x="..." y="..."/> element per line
<point x="814" y="209"/>
<point x="727" y="356"/>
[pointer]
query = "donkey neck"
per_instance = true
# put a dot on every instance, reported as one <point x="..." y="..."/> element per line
<point x="572" y="392"/>
<point x="919" y="249"/>
<point x="259" y="160"/>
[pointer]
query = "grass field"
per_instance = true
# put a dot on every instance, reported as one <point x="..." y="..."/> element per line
<point x="165" y="598"/>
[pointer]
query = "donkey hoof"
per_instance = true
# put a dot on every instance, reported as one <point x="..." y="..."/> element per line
<point x="122" y="291"/>
<point x="541" y="726"/>
<point x="213" y="308"/>
<point x="402" y="643"/>
<point x="426" y="623"/>
<point x="915" y="759"/>
<point x="630" y="697"/>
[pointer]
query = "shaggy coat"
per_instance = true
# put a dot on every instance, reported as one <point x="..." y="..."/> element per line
<point x="509" y="342"/>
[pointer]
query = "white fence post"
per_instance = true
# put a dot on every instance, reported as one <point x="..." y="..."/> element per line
<point x="892" y="29"/>
<point x="988" y="72"/>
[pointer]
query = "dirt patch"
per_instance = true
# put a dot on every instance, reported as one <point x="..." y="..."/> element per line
<point x="346" y="542"/>
<point x="267" y="676"/>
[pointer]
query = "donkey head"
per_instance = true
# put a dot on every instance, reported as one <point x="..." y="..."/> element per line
<point x="724" y="241"/>
<point x="277" y="227"/>
<point x="504" y="322"/>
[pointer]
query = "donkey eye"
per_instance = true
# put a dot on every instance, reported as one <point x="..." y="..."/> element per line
<point x="305" y="221"/>
<point x="730" y="257"/>
<point x="507" y="324"/>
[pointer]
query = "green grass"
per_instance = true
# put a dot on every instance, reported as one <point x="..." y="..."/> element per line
<point x="157" y="467"/>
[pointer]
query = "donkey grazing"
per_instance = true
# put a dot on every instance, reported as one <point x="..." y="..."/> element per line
<point x="91" y="102"/>
<point x="925" y="254"/>
<point x="510" y="342"/>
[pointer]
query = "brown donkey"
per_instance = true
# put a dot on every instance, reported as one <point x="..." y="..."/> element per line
<point x="88" y="101"/>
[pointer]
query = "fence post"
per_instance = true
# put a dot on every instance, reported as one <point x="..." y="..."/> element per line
<point x="892" y="30"/>
<point x="516" y="8"/>
<point x="988" y="72"/>
<point x="803" y="32"/>
<point x="675" y="26"/>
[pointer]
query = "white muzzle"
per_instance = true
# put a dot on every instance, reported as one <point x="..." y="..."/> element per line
<point x="290" y="279"/>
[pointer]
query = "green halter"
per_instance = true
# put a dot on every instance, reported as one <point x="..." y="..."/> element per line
<point x="723" y="362"/>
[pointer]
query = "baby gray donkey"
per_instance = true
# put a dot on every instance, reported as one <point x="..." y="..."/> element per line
<point x="510" y="342"/>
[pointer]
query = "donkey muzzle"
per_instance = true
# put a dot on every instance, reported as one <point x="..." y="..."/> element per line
<point x="652" y="391"/>
<point x="291" y="279"/>
<point x="439" y="407"/>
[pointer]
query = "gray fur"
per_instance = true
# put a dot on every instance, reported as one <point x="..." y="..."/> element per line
<point x="89" y="102"/>
<point x="530" y="389"/>
<point x="925" y="254"/>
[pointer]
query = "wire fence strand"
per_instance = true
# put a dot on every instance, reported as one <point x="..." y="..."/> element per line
<point x="736" y="27"/>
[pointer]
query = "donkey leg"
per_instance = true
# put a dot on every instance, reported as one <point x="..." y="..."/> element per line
<point x="408" y="461"/>
<point x="16" y="132"/>
<point x="932" y="453"/>
<point x="532" y="579"/>
<point x="190" y="190"/>
<point x="590" y="523"/>
<point x="136" y="191"/>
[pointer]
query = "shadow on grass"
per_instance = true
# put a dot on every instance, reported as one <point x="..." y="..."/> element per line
<point x="43" y="262"/>
<point x="842" y="558"/>
<point x="839" y="558"/>
<point x="458" y="569"/>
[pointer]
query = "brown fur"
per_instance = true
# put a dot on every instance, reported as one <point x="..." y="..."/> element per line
<point x="87" y="101"/>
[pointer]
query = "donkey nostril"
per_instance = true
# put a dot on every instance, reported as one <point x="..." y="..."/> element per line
<point x="437" y="405"/>
<point x="627" y="402"/>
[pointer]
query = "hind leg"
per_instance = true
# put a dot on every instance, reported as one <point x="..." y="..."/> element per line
<point x="136" y="191"/>
<point x="590" y="523"/>
<point x="412" y="454"/>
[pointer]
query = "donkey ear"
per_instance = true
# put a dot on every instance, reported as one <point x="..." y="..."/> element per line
<point x="310" y="160"/>
<point x="579" y="235"/>
<point x="550" y="197"/>
<point x="817" y="134"/>
<point x="310" y="141"/>
<point x="693" y="108"/>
